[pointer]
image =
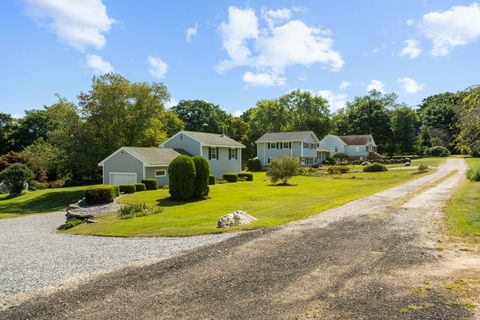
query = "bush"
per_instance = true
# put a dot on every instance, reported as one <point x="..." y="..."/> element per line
<point x="100" y="194"/>
<point x="40" y="185"/>
<point x="337" y="170"/>
<point x="140" y="187"/>
<point x="127" y="188"/>
<point x="315" y="166"/>
<point x="437" y="151"/>
<point x="137" y="210"/>
<point x="329" y="161"/>
<point x="374" y="167"/>
<point x="306" y="171"/>
<point x="116" y="191"/>
<point x="342" y="157"/>
<point x="71" y="223"/>
<point x="16" y="177"/>
<point x="202" y="173"/>
<point x="473" y="174"/>
<point x="182" y="176"/>
<point x="422" y="168"/>
<point x="230" y="177"/>
<point x="283" y="169"/>
<point x="248" y="176"/>
<point x="211" y="179"/>
<point x="150" y="183"/>
<point x="254" y="165"/>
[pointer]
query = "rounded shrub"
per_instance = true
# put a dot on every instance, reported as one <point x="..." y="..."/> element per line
<point x="202" y="173"/>
<point x="181" y="172"/>
<point x="116" y="190"/>
<point x="150" y="183"/>
<point x="337" y="169"/>
<point x="230" y="177"/>
<point x="329" y="161"/>
<point x="248" y="176"/>
<point x="254" y="165"/>
<point x="437" y="151"/>
<point x="127" y="188"/>
<point x="473" y="174"/>
<point x="140" y="187"/>
<point x="211" y="179"/>
<point x="16" y="178"/>
<point x="100" y="194"/>
<point x="374" y="167"/>
<point x="283" y="169"/>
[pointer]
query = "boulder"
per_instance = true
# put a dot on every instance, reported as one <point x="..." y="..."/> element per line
<point x="236" y="218"/>
<point x="3" y="188"/>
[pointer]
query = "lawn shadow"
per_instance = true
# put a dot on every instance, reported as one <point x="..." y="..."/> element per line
<point x="282" y="185"/>
<point x="169" y="202"/>
<point x="53" y="201"/>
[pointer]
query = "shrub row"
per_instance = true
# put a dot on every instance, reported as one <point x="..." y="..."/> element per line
<point x="100" y="194"/>
<point x="374" y="167"/>
<point x="437" y="151"/>
<point x="211" y="179"/>
<point x="127" y="188"/>
<point x="230" y="177"/>
<point x="247" y="176"/>
<point x="337" y="169"/>
<point x="140" y="186"/>
<point x="150" y="183"/>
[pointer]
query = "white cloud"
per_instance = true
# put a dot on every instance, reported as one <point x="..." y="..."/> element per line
<point x="171" y="103"/>
<point x="238" y="113"/>
<point x="263" y="79"/>
<point x="158" y="67"/>
<point x="191" y="32"/>
<point x="98" y="64"/>
<point x="376" y="85"/>
<point x="80" y="24"/>
<point x="285" y="42"/>
<point x="409" y="85"/>
<point x="335" y="101"/>
<point x="410" y="22"/>
<point x="454" y="27"/>
<point x="411" y="49"/>
<point x="344" y="85"/>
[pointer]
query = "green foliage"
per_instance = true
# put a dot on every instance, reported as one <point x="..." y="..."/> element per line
<point x="140" y="187"/>
<point x="202" y="173"/>
<point x="283" y="169"/>
<point x="405" y="124"/>
<point x="230" y="177"/>
<point x="469" y="122"/>
<point x="473" y="173"/>
<point x="7" y="128"/>
<point x="10" y="158"/>
<point x="329" y="161"/>
<point x="337" y="169"/>
<point x="342" y="157"/>
<point x="422" y="168"/>
<point x="36" y="124"/>
<point x="43" y="156"/>
<point x="37" y="185"/>
<point x="248" y="176"/>
<point x="99" y="194"/>
<point x="374" y="167"/>
<point x="182" y="176"/>
<point x="127" y="188"/>
<point x="211" y="179"/>
<point x="116" y="190"/>
<point x="437" y="151"/>
<point x="15" y="177"/>
<point x="137" y="210"/>
<point x="71" y="223"/>
<point x="200" y="115"/>
<point x="254" y="165"/>
<point x="150" y="183"/>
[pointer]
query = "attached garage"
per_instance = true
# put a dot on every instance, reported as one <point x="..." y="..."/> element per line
<point x="123" y="178"/>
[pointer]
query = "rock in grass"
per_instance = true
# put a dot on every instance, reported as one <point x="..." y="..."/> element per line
<point x="236" y="218"/>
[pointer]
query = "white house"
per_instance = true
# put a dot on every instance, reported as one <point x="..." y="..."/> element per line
<point x="356" y="146"/>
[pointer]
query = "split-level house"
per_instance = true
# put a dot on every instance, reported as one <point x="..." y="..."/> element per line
<point x="301" y="144"/>
<point x="358" y="147"/>
<point x="132" y="164"/>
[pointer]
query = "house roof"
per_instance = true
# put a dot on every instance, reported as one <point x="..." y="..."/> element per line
<point x="356" y="140"/>
<point x="286" y="136"/>
<point x="150" y="156"/>
<point x="213" y="139"/>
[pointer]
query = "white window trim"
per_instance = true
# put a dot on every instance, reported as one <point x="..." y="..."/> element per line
<point x="213" y="153"/>
<point x="163" y="175"/>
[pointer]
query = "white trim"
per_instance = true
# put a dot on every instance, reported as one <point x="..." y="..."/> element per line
<point x="160" y="176"/>
<point x="101" y="163"/>
<point x="122" y="173"/>
<point x="157" y="165"/>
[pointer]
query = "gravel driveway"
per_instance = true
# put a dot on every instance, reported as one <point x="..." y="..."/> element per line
<point x="373" y="258"/>
<point x="32" y="255"/>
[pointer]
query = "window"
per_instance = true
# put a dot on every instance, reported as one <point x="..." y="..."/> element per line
<point x="212" y="153"/>
<point x="305" y="145"/>
<point x="273" y="145"/>
<point x="366" y="148"/>
<point x="233" y="154"/>
<point x="285" y="145"/>
<point x="312" y="145"/>
<point x="278" y="145"/>
<point x="357" y="149"/>
<point x="160" y="173"/>
<point x="268" y="160"/>
<point x="336" y="149"/>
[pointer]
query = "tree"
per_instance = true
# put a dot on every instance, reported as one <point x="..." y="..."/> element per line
<point x="202" y="172"/>
<point x="16" y="177"/>
<point x="283" y="169"/>
<point x="201" y="116"/>
<point x="181" y="172"/>
<point x="405" y="124"/>
<point x="34" y="125"/>
<point x="42" y="156"/>
<point x="7" y="128"/>
<point x="469" y="122"/>
<point x="10" y="158"/>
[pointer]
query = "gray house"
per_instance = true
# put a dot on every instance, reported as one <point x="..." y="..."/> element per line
<point x="301" y="144"/>
<point x="132" y="164"/>
<point x="356" y="146"/>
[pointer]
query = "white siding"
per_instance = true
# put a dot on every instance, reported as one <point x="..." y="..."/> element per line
<point x="182" y="141"/>
<point x="223" y="164"/>
<point x="333" y="143"/>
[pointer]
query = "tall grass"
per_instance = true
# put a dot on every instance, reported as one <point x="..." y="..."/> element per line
<point x="473" y="174"/>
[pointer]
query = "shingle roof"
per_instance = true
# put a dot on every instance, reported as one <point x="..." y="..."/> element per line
<point x="285" y="136"/>
<point x="154" y="156"/>
<point x="213" y="139"/>
<point x="356" y="140"/>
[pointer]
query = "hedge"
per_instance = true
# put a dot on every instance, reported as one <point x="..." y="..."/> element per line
<point x="202" y="173"/>
<point x="211" y="179"/>
<point x="127" y="188"/>
<point x="254" y="165"/>
<point x="150" y="183"/>
<point x="337" y="169"/>
<point x="437" y="151"/>
<point x="140" y="187"/>
<point x="248" y="176"/>
<point x="182" y="174"/>
<point x="374" y="167"/>
<point x="230" y="177"/>
<point x="116" y="190"/>
<point x="100" y="194"/>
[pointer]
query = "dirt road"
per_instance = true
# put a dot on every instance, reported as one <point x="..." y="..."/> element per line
<point x="374" y="258"/>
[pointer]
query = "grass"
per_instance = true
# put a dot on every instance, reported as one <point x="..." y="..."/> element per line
<point x="419" y="162"/>
<point x="463" y="211"/>
<point x="39" y="201"/>
<point x="271" y="205"/>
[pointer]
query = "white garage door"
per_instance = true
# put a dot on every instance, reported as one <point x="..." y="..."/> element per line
<point x="123" y="178"/>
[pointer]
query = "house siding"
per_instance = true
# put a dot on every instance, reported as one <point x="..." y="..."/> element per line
<point x="122" y="162"/>
<point x="150" y="173"/>
<point x="182" y="141"/>
<point x="308" y="152"/>
<point x="223" y="164"/>
<point x="263" y="153"/>
<point x="330" y="142"/>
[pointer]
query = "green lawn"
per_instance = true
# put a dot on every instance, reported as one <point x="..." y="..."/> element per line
<point x="463" y="212"/>
<point x="271" y="205"/>
<point x="419" y="162"/>
<point x="39" y="201"/>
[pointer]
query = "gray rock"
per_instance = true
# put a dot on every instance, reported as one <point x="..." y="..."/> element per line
<point x="82" y="211"/>
<point x="236" y="218"/>
<point x="3" y="188"/>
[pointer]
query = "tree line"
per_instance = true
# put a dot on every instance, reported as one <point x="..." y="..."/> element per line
<point x="66" y="140"/>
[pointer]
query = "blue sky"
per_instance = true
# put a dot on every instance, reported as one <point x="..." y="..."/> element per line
<point x="235" y="53"/>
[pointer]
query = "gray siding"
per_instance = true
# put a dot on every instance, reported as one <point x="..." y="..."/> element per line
<point x="182" y="141"/>
<point x="308" y="152"/>
<point x="356" y="151"/>
<point x="122" y="162"/>
<point x="150" y="173"/>
<point x="223" y="164"/>
<point x="330" y="142"/>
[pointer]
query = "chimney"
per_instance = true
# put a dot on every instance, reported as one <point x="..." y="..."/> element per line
<point x="223" y="131"/>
